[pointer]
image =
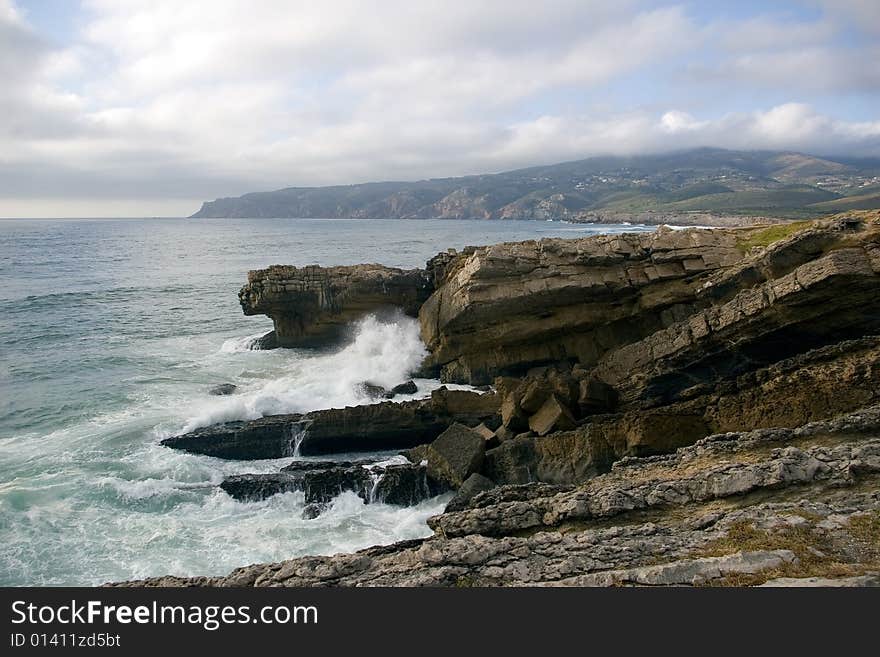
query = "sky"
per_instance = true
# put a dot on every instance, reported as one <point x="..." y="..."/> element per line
<point x="149" y="107"/>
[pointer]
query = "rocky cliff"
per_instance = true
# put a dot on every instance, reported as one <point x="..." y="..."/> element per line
<point x="312" y="305"/>
<point x="661" y="408"/>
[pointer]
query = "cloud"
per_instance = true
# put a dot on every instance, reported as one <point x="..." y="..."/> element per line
<point x="862" y="15"/>
<point x="814" y="68"/>
<point x="789" y="126"/>
<point x="165" y="100"/>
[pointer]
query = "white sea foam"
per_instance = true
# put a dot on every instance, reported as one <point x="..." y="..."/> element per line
<point x="382" y="351"/>
<point x="238" y="345"/>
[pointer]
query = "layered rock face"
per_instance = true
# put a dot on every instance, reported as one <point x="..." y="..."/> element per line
<point x="313" y="305"/>
<point x="779" y="507"/>
<point x="370" y="428"/>
<point x="503" y="308"/>
<point x="661" y="406"/>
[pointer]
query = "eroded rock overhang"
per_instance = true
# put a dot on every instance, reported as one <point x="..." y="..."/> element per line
<point x="311" y="306"/>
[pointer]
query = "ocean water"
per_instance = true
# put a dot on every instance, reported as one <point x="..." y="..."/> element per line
<point x="111" y="334"/>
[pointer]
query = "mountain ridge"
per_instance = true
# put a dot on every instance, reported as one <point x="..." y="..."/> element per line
<point x="781" y="184"/>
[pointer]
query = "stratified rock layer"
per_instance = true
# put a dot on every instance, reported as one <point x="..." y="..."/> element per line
<point x="662" y="407"/>
<point x="312" y="305"/>
<point x="370" y="428"/>
<point x="737" y="508"/>
<point x="625" y="301"/>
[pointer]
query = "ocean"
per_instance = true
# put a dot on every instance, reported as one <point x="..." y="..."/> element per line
<point x="112" y="332"/>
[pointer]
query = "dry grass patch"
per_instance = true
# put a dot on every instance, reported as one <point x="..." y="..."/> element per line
<point x="846" y="552"/>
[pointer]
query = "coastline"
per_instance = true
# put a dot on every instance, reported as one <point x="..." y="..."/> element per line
<point x="670" y="388"/>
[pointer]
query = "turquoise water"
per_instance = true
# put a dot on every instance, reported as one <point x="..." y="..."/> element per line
<point x="111" y="334"/>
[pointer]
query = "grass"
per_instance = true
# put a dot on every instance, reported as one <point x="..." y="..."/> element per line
<point x="853" y="550"/>
<point x="767" y="236"/>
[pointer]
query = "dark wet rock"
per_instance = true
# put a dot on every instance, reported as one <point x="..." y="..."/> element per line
<point x="223" y="389"/>
<point x="373" y="427"/>
<point x="386" y="425"/>
<point x="269" y="437"/>
<point x="313" y="510"/>
<point x="408" y="388"/>
<point x="324" y="485"/>
<point x="265" y="342"/>
<point x="319" y="484"/>
<point x="472" y="486"/>
<point x="306" y="466"/>
<point x="404" y="485"/>
<point x="321" y="481"/>
<point x="372" y="390"/>
<point x="255" y="487"/>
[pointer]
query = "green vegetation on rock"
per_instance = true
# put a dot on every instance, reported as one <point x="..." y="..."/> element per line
<point x="767" y="236"/>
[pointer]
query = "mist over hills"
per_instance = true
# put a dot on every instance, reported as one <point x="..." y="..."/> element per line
<point x="705" y="180"/>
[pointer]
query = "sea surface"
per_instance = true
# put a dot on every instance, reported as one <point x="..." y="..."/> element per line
<point x="112" y="332"/>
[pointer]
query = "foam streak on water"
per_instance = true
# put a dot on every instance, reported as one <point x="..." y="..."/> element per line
<point x="111" y="335"/>
<point x="131" y="506"/>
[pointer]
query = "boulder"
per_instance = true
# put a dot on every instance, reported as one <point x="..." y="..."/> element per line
<point x="265" y="342"/>
<point x="454" y="455"/>
<point x="403" y="485"/>
<point x="485" y="432"/>
<point x="512" y="415"/>
<point x="472" y="486"/>
<point x="596" y="396"/>
<point x="256" y="487"/>
<point x="502" y="433"/>
<point x="534" y="395"/>
<point x="313" y="510"/>
<point x="558" y="458"/>
<point x="372" y="390"/>
<point x="417" y="454"/>
<point x="223" y="389"/>
<point x="408" y="388"/>
<point x="552" y="416"/>
<point x="466" y="406"/>
<point x="320" y="484"/>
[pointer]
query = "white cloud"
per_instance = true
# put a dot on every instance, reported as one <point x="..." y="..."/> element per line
<point x="676" y="121"/>
<point x="167" y="100"/>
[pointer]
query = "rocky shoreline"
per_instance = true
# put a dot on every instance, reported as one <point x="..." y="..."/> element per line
<point x="689" y="407"/>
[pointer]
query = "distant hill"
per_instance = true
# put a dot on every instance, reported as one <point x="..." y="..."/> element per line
<point x="704" y="180"/>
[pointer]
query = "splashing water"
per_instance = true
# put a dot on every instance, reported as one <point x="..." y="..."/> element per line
<point x="383" y="352"/>
<point x="111" y="335"/>
<point x="128" y="507"/>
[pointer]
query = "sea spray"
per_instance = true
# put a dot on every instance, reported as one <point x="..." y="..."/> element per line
<point x="383" y="351"/>
<point x="109" y="359"/>
<point x="297" y="433"/>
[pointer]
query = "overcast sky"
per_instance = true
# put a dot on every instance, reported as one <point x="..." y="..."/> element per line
<point x="148" y="107"/>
